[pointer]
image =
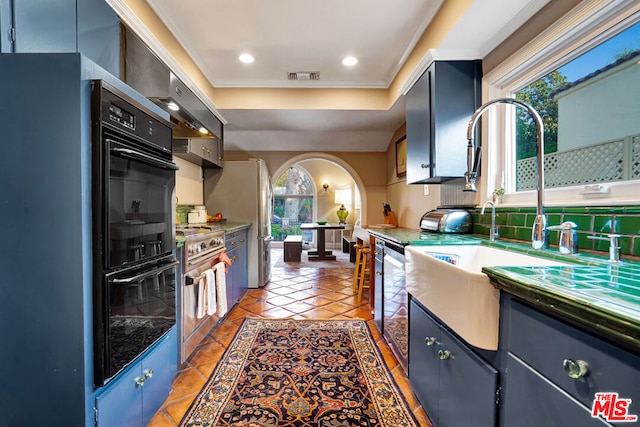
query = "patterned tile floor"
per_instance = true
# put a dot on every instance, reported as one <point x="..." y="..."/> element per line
<point x="300" y="293"/>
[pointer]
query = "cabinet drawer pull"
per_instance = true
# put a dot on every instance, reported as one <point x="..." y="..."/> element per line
<point x="444" y="354"/>
<point x="430" y="341"/>
<point x="139" y="381"/>
<point x="424" y="166"/>
<point x="148" y="373"/>
<point x="576" y="368"/>
<point x="378" y="273"/>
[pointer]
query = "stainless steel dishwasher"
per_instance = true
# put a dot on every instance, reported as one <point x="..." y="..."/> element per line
<point x="395" y="324"/>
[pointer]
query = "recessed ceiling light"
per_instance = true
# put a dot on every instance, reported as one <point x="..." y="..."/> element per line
<point x="349" y="61"/>
<point x="173" y="106"/>
<point x="246" y="58"/>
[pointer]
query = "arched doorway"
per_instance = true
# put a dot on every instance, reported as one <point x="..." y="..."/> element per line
<point x="330" y="176"/>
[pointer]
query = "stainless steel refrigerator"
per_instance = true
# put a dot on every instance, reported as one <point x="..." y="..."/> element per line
<point x="242" y="192"/>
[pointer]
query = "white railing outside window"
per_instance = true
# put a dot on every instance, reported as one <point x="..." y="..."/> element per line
<point x="608" y="162"/>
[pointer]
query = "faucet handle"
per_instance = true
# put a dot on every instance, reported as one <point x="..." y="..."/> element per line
<point x="614" y="245"/>
<point x="568" y="243"/>
<point x="567" y="225"/>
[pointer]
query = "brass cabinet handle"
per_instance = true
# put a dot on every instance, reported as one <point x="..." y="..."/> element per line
<point x="444" y="354"/>
<point x="139" y="381"/>
<point x="576" y="368"/>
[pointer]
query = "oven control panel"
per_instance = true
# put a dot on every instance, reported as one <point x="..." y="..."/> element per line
<point x="203" y="243"/>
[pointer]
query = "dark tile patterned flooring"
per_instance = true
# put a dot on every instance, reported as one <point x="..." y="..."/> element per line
<point x="298" y="293"/>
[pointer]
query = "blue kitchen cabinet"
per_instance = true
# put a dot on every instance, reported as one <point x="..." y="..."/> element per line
<point x="237" y="275"/>
<point x="134" y="396"/>
<point x="46" y="319"/>
<point x="89" y="27"/>
<point x="542" y="348"/>
<point x="439" y="106"/>
<point x="454" y="384"/>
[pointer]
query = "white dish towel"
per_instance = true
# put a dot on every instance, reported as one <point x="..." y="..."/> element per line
<point x="206" y="304"/>
<point x="201" y="303"/>
<point x="221" y="288"/>
<point x="210" y="291"/>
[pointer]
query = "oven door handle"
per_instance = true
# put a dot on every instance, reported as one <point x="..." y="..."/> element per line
<point x="146" y="273"/>
<point x="137" y="155"/>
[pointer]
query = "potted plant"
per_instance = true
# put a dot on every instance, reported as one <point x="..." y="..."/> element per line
<point x="497" y="194"/>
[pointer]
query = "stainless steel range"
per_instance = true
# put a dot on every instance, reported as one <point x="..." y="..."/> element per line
<point x="203" y="245"/>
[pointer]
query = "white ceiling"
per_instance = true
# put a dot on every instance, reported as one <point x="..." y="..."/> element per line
<point x="293" y="36"/>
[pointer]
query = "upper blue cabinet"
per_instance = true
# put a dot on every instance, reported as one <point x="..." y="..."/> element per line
<point x="90" y="27"/>
<point x="439" y="107"/>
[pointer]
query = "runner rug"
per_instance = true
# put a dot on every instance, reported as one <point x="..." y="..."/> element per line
<point x="300" y="373"/>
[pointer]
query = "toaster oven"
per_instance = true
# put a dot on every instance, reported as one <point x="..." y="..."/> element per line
<point x="446" y="221"/>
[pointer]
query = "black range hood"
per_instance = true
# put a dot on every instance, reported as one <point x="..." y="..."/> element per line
<point x="144" y="72"/>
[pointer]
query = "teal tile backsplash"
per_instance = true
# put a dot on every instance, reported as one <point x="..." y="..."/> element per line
<point x="516" y="223"/>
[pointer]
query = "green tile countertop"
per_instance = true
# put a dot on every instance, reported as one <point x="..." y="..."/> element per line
<point x="232" y="227"/>
<point x="604" y="298"/>
<point x="601" y="296"/>
<point x="411" y="236"/>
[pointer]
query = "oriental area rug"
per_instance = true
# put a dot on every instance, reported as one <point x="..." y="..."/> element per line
<point x="300" y="373"/>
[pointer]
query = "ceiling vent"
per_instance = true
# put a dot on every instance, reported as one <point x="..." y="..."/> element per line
<point x="304" y="75"/>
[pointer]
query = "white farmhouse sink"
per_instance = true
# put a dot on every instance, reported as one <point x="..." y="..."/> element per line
<point x="460" y="295"/>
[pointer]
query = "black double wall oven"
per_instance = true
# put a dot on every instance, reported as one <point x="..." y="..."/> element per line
<point x="133" y="193"/>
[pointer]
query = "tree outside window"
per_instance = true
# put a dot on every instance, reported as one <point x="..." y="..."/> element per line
<point x="293" y="204"/>
<point x="588" y="106"/>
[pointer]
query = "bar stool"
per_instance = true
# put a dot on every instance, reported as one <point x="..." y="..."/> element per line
<point x="361" y="270"/>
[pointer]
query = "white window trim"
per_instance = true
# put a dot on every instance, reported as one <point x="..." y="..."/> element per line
<point x="588" y="24"/>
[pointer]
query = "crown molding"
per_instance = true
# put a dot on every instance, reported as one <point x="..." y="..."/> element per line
<point x="436" y="55"/>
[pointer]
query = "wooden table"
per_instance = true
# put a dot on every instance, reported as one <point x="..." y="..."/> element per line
<point x="321" y="254"/>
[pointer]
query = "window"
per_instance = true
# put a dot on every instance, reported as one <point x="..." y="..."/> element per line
<point x="293" y="204"/>
<point x="586" y="86"/>
<point x="590" y="111"/>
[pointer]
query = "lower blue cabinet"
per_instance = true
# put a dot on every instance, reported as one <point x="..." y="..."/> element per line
<point x="531" y="400"/>
<point x="554" y="370"/>
<point x="237" y="274"/>
<point x="455" y="385"/>
<point x="135" y="395"/>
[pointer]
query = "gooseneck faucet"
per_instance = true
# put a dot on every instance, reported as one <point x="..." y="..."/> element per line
<point x="539" y="233"/>
<point x="493" y="233"/>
